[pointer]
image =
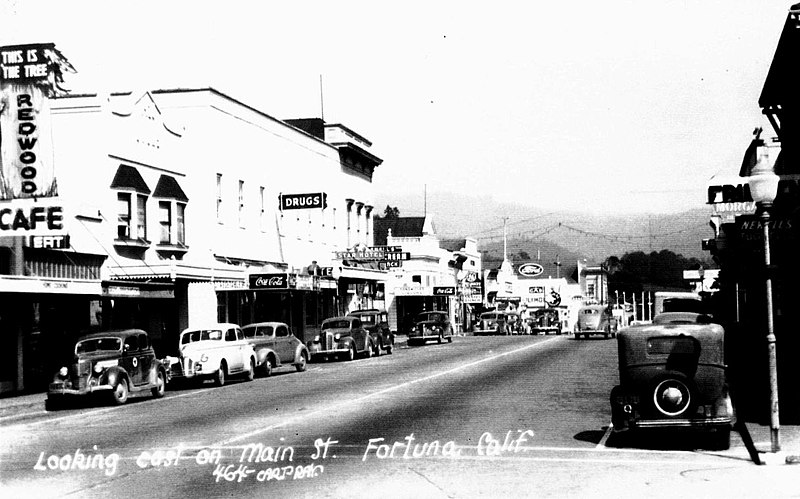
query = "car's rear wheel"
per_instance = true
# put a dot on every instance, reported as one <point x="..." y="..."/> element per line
<point x="719" y="439"/>
<point x="219" y="378"/>
<point x="368" y="350"/>
<point x="161" y="385"/>
<point x="119" y="395"/>
<point x="302" y="364"/>
<point x="266" y="368"/>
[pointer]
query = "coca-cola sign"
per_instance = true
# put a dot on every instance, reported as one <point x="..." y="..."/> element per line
<point x="269" y="281"/>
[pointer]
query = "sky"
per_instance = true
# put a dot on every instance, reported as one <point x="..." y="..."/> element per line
<point x="621" y="106"/>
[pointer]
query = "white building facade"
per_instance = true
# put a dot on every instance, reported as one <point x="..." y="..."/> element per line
<point x="188" y="206"/>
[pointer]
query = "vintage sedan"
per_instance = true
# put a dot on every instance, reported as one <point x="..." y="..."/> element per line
<point x="115" y="364"/>
<point x="377" y="323"/>
<point x="275" y="345"/>
<point x="433" y="325"/>
<point x="596" y="319"/>
<point x="343" y="337"/>
<point x="673" y="375"/>
<point x="214" y="351"/>
<point x="545" y="321"/>
<point x="495" y="322"/>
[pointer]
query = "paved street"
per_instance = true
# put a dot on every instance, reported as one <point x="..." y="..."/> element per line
<point x="481" y="417"/>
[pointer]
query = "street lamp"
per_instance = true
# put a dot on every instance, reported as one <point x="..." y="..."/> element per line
<point x="764" y="188"/>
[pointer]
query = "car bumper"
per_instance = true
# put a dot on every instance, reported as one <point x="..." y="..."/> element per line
<point x="487" y="331"/>
<point x="317" y="349"/>
<point x="189" y="370"/>
<point x="60" y="389"/>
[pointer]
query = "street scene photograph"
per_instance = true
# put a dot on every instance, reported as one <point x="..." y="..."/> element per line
<point x="415" y="250"/>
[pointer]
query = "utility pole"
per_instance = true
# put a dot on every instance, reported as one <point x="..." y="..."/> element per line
<point x="505" y="240"/>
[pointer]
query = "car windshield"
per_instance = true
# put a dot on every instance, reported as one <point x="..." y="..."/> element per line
<point x="201" y="335"/>
<point x="430" y="317"/>
<point x="367" y="318"/>
<point x="99" y="345"/>
<point x="250" y="331"/>
<point x="336" y="324"/>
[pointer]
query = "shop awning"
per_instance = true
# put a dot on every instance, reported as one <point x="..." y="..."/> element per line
<point x="46" y="285"/>
<point x="177" y="270"/>
<point x="780" y="87"/>
<point x="359" y="273"/>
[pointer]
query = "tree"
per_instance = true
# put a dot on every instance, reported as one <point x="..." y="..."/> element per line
<point x="391" y="213"/>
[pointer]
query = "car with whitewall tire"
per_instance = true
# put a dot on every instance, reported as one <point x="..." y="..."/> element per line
<point x="341" y="337"/>
<point x="275" y="345"/>
<point x="213" y="351"/>
<point x="113" y="364"/>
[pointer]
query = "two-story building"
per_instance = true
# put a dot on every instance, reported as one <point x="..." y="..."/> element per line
<point x="186" y="206"/>
<point x="427" y="279"/>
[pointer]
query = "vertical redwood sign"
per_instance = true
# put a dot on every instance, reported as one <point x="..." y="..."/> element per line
<point x="29" y="76"/>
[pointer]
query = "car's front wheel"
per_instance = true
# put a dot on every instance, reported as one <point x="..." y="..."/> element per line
<point x="161" y="385"/>
<point x="120" y="393"/>
<point x="351" y="353"/>
<point x="302" y="364"/>
<point x="251" y="371"/>
<point x="219" y="378"/>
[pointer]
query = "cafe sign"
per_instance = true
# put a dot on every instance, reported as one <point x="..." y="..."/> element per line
<point x="30" y="75"/>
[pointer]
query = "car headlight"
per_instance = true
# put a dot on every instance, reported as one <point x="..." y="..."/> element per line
<point x="204" y="358"/>
<point x="316" y="339"/>
<point x="63" y="372"/>
<point x="98" y="368"/>
<point x="337" y="336"/>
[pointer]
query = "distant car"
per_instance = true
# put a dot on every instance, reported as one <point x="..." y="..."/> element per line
<point x="596" y="319"/>
<point x="433" y="325"/>
<point x="214" y="351"/>
<point x="110" y="363"/>
<point x="344" y="337"/>
<point x="673" y="375"/>
<point x="377" y="323"/>
<point x="275" y="345"/>
<point x="545" y="321"/>
<point x="492" y="323"/>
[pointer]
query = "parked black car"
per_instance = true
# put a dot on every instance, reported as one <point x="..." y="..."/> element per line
<point x="112" y="364"/>
<point x="433" y="325"/>
<point x="673" y="375"/>
<point x="377" y="323"/>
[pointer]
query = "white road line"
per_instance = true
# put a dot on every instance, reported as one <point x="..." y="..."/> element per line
<point x="380" y="392"/>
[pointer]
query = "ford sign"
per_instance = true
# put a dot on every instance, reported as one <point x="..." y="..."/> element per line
<point x="530" y="269"/>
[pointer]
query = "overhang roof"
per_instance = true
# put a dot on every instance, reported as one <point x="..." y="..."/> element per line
<point x="780" y="87"/>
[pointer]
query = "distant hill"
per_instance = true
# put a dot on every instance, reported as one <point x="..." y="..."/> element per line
<point x="551" y="235"/>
